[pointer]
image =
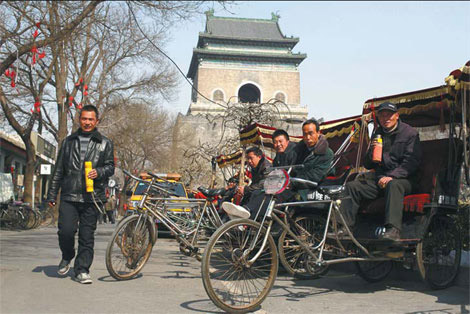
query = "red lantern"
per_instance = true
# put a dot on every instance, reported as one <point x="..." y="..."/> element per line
<point x="13" y="84"/>
<point x="36" y="33"/>
<point x="85" y="93"/>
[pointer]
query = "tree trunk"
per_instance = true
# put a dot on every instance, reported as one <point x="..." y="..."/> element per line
<point x="30" y="169"/>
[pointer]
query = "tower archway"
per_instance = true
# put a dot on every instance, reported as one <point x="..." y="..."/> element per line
<point x="249" y="93"/>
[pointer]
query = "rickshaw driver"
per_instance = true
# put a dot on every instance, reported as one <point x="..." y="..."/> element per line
<point x="395" y="175"/>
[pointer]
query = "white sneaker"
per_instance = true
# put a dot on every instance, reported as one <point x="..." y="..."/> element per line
<point x="235" y="211"/>
<point x="84" y="278"/>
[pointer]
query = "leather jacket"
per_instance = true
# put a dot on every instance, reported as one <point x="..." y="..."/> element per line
<point x="69" y="171"/>
<point x="258" y="175"/>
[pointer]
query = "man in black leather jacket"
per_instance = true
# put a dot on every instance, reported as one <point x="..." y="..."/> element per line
<point x="77" y="207"/>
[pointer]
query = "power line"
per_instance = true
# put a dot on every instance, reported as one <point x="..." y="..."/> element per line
<point x="169" y="58"/>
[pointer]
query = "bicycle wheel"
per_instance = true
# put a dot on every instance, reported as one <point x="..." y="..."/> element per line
<point x="232" y="284"/>
<point x="26" y="218"/>
<point x="309" y="229"/>
<point x="37" y="218"/>
<point x="438" y="254"/>
<point x="47" y="218"/>
<point x="129" y="247"/>
<point x="374" y="271"/>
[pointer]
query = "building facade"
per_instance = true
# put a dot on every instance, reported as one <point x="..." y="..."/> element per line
<point x="13" y="161"/>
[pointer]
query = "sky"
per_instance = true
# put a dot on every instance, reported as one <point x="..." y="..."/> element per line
<point x="355" y="50"/>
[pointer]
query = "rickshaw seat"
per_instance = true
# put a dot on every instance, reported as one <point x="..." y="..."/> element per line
<point x="434" y="158"/>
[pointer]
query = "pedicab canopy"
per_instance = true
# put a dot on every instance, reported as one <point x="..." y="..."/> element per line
<point x="258" y="134"/>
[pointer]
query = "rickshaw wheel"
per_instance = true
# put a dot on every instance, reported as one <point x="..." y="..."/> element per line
<point x="374" y="271"/>
<point x="438" y="254"/>
<point x="308" y="228"/>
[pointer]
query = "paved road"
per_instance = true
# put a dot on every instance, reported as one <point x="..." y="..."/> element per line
<point x="171" y="283"/>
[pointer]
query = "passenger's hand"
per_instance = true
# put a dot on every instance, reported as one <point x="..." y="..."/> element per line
<point x="93" y="174"/>
<point x="241" y="190"/>
<point x="384" y="181"/>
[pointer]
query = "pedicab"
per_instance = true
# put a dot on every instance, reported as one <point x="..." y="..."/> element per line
<point x="240" y="262"/>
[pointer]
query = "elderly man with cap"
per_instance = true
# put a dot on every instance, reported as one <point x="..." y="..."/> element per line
<point x="395" y="171"/>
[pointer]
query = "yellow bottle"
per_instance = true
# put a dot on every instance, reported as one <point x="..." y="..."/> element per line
<point x="88" y="182"/>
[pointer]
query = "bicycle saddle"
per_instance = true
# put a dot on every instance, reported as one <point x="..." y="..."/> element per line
<point x="331" y="190"/>
<point x="210" y="192"/>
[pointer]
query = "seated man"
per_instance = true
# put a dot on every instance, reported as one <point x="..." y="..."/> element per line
<point x="313" y="152"/>
<point x="394" y="175"/>
<point x="285" y="149"/>
<point x="228" y="192"/>
<point x="259" y="170"/>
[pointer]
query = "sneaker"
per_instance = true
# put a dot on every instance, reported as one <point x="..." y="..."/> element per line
<point x="64" y="267"/>
<point x="391" y="233"/>
<point x="84" y="278"/>
<point x="235" y="211"/>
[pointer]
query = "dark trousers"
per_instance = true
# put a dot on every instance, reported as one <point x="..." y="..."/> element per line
<point x="367" y="189"/>
<point x="110" y="215"/>
<point x="81" y="216"/>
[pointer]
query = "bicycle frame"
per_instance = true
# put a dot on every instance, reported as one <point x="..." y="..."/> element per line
<point x="158" y="211"/>
<point x="272" y="214"/>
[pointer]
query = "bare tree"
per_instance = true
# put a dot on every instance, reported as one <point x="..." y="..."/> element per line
<point x="194" y="158"/>
<point x="80" y="53"/>
<point x="15" y="42"/>
<point x="142" y="136"/>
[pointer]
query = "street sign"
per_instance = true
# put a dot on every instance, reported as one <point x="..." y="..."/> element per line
<point x="45" y="169"/>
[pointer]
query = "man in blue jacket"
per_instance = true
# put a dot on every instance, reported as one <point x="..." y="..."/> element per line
<point x="394" y="176"/>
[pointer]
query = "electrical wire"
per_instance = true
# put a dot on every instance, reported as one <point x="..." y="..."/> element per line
<point x="169" y="58"/>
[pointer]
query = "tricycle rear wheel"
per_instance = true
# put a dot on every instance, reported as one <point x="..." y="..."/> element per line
<point x="438" y="254"/>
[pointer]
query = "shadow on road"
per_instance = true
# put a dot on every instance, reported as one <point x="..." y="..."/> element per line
<point x="50" y="271"/>
<point x="111" y="279"/>
<point x="201" y="306"/>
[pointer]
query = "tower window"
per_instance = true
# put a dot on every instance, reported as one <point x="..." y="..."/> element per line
<point x="218" y="95"/>
<point x="280" y="96"/>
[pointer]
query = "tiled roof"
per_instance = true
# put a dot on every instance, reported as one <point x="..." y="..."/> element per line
<point x="243" y="28"/>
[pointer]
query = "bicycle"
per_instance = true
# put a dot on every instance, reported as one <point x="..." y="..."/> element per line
<point x="17" y="214"/>
<point x="132" y="241"/>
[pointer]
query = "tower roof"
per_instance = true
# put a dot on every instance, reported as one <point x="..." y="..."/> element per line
<point x="244" y="28"/>
<point x="245" y="32"/>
